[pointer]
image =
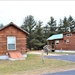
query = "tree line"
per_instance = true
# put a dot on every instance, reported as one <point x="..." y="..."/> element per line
<point x="38" y="33"/>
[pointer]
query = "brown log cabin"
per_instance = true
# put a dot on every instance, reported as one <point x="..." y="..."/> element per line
<point x="64" y="41"/>
<point x="12" y="38"/>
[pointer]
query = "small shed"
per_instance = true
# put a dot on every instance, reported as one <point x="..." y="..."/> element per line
<point x="12" y="38"/>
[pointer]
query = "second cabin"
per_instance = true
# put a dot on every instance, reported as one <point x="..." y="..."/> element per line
<point x="64" y="41"/>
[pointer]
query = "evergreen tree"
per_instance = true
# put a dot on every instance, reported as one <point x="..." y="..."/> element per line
<point x="52" y="26"/>
<point x="1" y="25"/>
<point x="60" y="27"/>
<point x="38" y="41"/>
<point x="28" y="25"/>
<point x="71" y="24"/>
<point x="46" y="31"/>
<point x="65" y="25"/>
<point x="38" y="34"/>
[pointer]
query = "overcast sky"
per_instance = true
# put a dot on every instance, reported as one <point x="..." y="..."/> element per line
<point x="16" y="11"/>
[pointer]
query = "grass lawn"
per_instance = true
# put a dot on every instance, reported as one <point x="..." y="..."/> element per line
<point x="33" y="66"/>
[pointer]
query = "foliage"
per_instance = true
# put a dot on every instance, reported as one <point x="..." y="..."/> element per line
<point x="71" y="24"/>
<point x="39" y="33"/>
<point x="28" y="25"/>
<point x="66" y="25"/>
<point x="1" y="26"/>
<point x="38" y="36"/>
<point x="60" y="27"/>
<point x="52" y="24"/>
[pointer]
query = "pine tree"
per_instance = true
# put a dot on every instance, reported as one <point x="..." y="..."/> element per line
<point x="46" y="31"/>
<point x="38" y="41"/>
<point x="1" y="26"/>
<point x="28" y="25"/>
<point x="71" y="24"/>
<point x="60" y="27"/>
<point x="65" y="25"/>
<point x="52" y="26"/>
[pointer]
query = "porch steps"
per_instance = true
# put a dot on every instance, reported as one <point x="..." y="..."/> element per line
<point x="15" y="56"/>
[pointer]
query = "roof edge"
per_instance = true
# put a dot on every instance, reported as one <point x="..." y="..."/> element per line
<point x="52" y="38"/>
<point x="11" y="23"/>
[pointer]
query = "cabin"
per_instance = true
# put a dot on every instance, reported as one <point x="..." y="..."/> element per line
<point x="12" y="40"/>
<point x="64" y="41"/>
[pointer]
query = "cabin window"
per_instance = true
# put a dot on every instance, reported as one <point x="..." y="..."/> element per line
<point x="57" y="42"/>
<point x="69" y="34"/>
<point x="67" y="41"/>
<point x="11" y="43"/>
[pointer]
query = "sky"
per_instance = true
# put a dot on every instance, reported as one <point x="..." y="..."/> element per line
<point x="16" y="11"/>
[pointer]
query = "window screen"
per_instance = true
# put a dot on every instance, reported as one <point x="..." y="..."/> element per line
<point x="11" y="43"/>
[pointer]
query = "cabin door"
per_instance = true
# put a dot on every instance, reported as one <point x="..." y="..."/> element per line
<point x="52" y="45"/>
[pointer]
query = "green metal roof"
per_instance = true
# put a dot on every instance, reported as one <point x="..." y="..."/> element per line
<point x="57" y="36"/>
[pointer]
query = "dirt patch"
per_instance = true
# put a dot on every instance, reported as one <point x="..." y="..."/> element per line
<point x="40" y="53"/>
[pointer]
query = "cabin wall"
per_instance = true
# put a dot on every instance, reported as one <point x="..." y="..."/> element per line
<point x="12" y="31"/>
<point x="64" y="46"/>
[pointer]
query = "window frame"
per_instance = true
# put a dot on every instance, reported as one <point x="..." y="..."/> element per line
<point x="56" y="42"/>
<point x="12" y="43"/>
<point x="67" y="41"/>
<point x="68" y="35"/>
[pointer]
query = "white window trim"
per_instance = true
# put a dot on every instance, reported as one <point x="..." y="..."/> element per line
<point x="56" y="43"/>
<point x="7" y="43"/>
<point x="68" y="41"/>
<point x="69" y="35"/>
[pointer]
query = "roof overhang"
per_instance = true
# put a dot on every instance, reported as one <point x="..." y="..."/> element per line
<point x="57" y="36"/>
<point x="12" y="24"/>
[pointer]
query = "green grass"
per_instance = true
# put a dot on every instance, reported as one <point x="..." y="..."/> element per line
<point x="32" y="64"/>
